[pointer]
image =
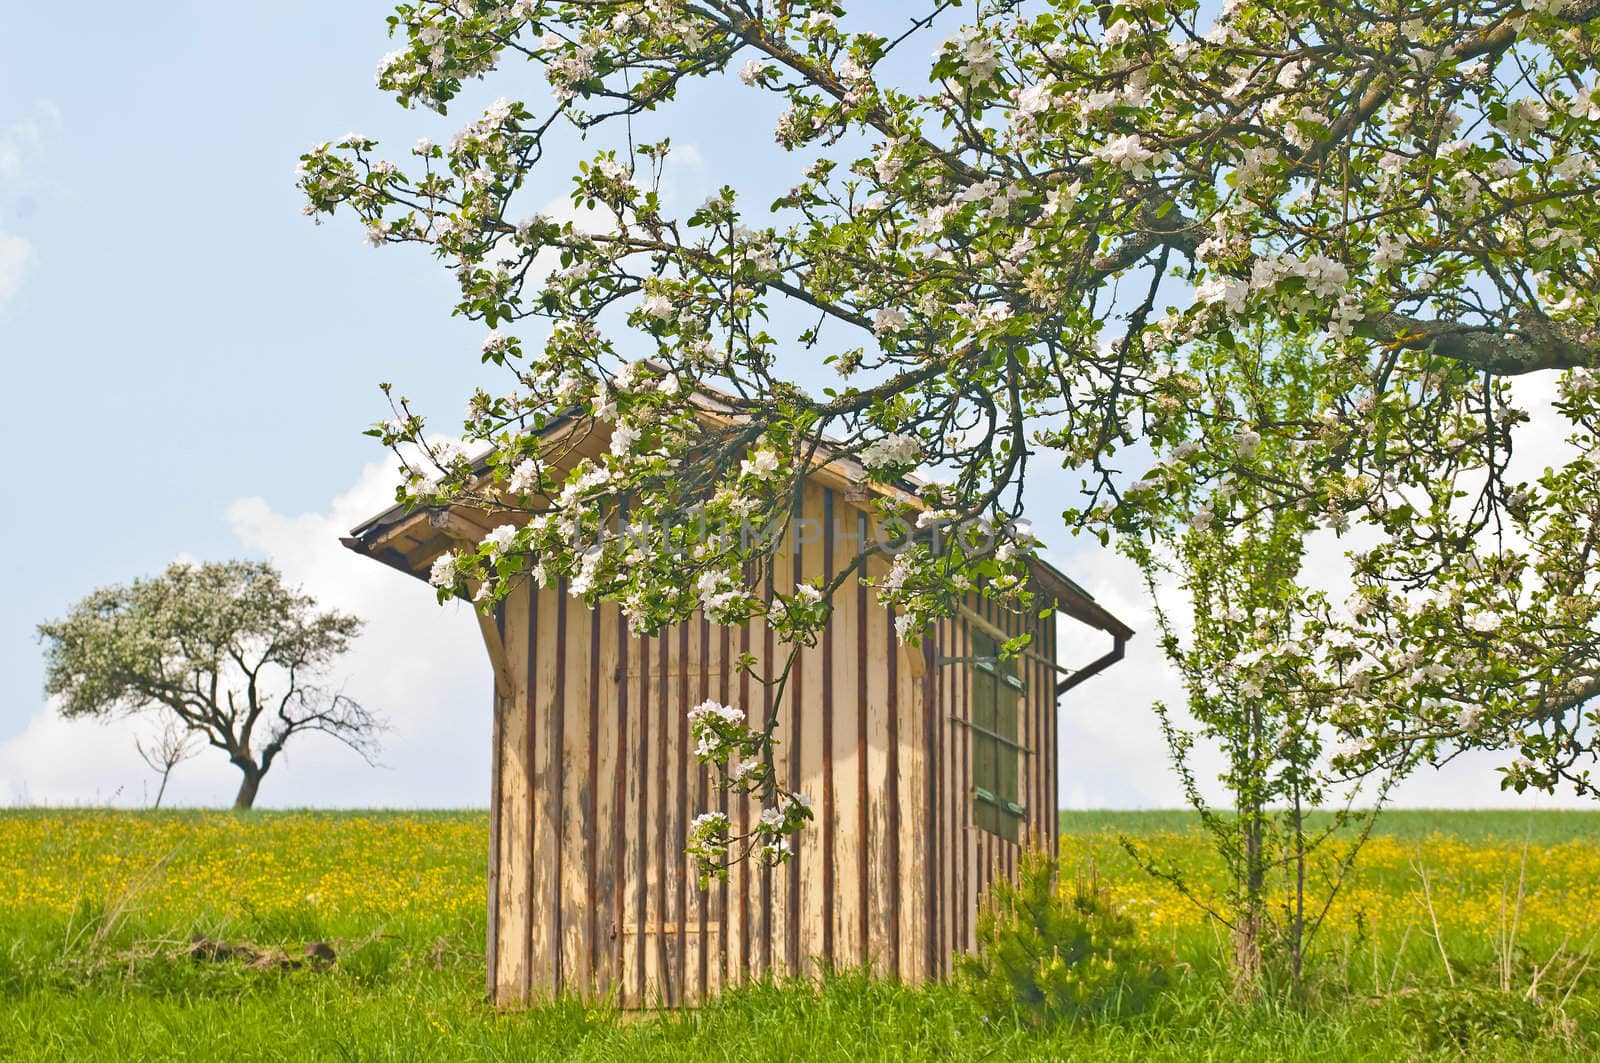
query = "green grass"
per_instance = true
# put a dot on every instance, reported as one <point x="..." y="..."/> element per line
<point x="96" y="909"/>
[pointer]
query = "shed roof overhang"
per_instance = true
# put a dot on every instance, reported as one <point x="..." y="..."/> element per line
<point x="410" y="539"/>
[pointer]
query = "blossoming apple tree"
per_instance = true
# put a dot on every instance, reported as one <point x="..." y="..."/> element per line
<point x="1011" y="260"/>
<point x="1273" y="671"/>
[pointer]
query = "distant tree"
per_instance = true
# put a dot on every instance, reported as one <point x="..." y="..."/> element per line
<point x="227" y="649"/>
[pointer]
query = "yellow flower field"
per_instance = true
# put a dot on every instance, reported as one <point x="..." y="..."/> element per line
<point x="98" y="909"/>
<point x="367" y="869"/>
<point x="373" y="867"/>
<point x="1473" y="883"/>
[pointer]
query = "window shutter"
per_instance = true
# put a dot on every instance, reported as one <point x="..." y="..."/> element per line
<point x="985" y="751"/>
<point x="1007" y="760"/>
<point x="996" y="775"/>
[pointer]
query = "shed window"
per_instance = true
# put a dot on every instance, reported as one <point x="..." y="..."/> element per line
<point x="996" y="690"/>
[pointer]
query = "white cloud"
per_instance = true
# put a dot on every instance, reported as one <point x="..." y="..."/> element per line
<point x="26" y="136"/>
<point x="421" y="665"/>
<point x="83" y="762"/>
<point x="1542" y="442"/>
<point x="15" y="255"/>
<point x="19" y="142"/>
<point x="1112" y="752"/>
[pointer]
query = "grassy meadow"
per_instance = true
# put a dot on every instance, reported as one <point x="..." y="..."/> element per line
<point x="98" y="910"/>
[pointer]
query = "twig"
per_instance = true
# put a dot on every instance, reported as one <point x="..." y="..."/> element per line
<point x="1588" y="958"/>
<point x="1427" y="896"/>
<point x="1539" y="972"/>
<point x="1405" y="936"/>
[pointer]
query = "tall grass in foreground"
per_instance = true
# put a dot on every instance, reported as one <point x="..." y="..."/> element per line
<point x="97" y="910"/>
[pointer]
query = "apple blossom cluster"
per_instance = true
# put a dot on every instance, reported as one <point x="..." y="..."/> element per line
<point x="893" y="452"/>
<point x="923" y="584"/>
<point x="724" y="739"/>
<point x="716" y="729"/>
<point x="799" y="617"/>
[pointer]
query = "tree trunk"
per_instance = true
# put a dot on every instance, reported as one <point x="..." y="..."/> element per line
<point x="1248" y="959"/>
<point x="1297" y="913"/>
<point x="246" y="797"/>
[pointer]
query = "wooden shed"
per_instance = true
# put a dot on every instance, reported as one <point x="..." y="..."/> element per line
<point x="926" y="764"/>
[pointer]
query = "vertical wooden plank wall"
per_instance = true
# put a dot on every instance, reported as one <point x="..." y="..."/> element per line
<point x="513" y="816"/>
<point x="595" y="785"/>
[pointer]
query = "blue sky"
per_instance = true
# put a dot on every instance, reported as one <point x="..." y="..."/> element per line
<point x="181" y="335"/>
<point x="189" y="365"/>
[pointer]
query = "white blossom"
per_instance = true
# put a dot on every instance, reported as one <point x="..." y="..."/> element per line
<point x="1390" y="250"/>
<point x="1253" y="164"/>
<point x="1323" y="276"/>
<point x="1523" y="117"/>
<point x="888" y="320"/>
<point x="1484" y="623"/>
<point x="623" y="436"/>
<point x="718" y="594"/>
<point x="500" y="539"/>
<point x="889" y="162"/>
<point x="711" y="709"/>
<point x="1585" y="104"/>
<point x="897" y="449"/>
<point x="1127" y="153"/>
<point x="443" y="572"/>
<point x="708" y="823"/>
<point x="761" y="464"/>
<point x="1036" y="98"/>
<point x="1232" y="294"/>
<point x="524" y="477"/>
<point x="819" y="21"/>
<point x="978" y="58"/>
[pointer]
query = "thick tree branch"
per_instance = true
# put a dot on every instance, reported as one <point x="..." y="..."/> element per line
<point x="1534" y="344"/>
